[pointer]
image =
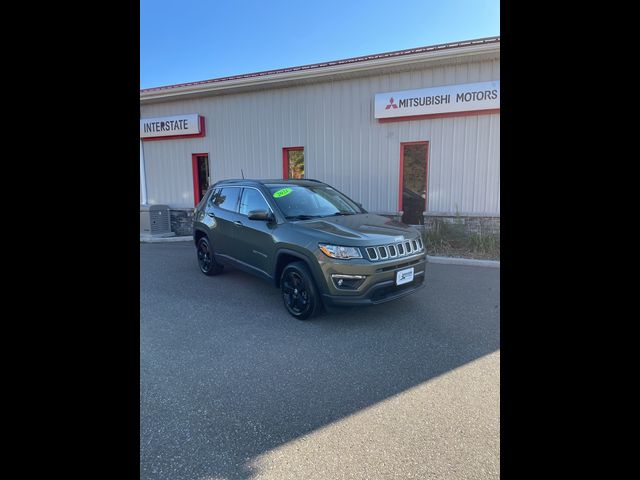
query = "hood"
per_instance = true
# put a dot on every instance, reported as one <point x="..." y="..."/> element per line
<point x="361" y="229"/>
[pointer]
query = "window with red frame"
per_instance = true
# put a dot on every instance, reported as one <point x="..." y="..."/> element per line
<point x="293" y="162"/>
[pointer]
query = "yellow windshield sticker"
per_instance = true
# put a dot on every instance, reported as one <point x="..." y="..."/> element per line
<point x="282" y="192"/>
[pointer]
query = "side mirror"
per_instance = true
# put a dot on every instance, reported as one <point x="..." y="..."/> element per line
<point x="260" y="215"/>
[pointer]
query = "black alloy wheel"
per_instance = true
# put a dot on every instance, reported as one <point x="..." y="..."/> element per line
<point x="206" y="261"/>
<point x="299" y="292"/>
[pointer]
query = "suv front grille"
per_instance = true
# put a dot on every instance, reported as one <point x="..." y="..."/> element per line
<point x="395" y="250"/>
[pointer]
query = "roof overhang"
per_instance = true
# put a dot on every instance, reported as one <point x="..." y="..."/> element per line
<point x="485" y="49"/>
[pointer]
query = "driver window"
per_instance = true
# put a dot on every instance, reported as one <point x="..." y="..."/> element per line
<point x="252" y="200"/>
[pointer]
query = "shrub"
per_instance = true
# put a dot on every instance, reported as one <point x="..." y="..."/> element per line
<point x="435" y="241"/>
<point x="450" y="238"/>
<point x="485" y="244"/>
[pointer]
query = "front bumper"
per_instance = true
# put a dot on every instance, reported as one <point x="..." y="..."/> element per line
<point x="380" y="287"/>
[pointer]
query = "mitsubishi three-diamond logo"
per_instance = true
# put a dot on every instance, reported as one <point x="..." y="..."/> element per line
<point x="391" y="104"/>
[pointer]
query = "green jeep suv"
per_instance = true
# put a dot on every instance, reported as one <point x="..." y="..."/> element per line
<point x="305" y="237"/>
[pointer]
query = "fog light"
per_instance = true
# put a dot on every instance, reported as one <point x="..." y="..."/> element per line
<point x="348" y="282"/>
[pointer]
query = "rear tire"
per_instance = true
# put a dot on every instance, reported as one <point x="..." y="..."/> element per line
<point x="299" y="293"/>
<point x="206" y="259"/>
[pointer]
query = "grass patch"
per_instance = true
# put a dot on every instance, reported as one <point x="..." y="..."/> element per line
<point x="450" y="240"/>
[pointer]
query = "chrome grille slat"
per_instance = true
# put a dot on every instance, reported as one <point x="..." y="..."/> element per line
<point x="395" y="250"/>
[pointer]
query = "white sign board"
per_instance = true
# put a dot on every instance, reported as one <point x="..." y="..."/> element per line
<point x="170" y="126"/>
<point x="437" y="100"/>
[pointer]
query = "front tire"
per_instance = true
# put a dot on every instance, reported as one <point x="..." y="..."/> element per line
<point x="206" y="259"/>
<point x="299" y="292"/>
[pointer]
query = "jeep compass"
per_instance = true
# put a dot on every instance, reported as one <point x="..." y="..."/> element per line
<point x="319" y="247"/>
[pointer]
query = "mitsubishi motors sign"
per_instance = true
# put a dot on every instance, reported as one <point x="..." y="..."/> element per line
<point x="469" y="97"/>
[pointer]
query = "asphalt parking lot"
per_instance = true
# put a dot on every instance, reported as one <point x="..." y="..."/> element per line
<point x="232" y="387"/>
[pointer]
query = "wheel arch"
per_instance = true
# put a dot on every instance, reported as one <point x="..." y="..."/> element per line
<point x="285" y="256"/>
<point x="198" y="234"/>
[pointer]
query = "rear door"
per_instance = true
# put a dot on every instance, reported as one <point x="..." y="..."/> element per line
<point x="221" y="213"/>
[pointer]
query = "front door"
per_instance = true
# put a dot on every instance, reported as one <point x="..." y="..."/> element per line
<point x="200" y="165"/>
<point x="253" y="238"/>
<point x="413" y="181"/>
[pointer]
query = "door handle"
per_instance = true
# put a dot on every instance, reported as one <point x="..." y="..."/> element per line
<point x="238" y="223"/>
<point x="210" y="214"/>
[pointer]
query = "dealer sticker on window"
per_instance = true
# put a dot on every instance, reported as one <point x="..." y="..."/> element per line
<point x="404" y="276"/>
<point x="282" y="192"/>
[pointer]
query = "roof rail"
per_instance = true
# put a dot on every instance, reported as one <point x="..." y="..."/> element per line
<point x="230" y="180"/>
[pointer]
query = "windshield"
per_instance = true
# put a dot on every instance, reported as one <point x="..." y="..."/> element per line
<point x="303" y="202"/>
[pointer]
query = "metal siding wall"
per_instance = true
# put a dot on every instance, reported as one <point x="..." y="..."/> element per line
<point x="344" y="145"/>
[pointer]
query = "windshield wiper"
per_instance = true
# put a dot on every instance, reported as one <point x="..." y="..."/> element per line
<point x="301" y="217"/>
<point x="339" y="213"/>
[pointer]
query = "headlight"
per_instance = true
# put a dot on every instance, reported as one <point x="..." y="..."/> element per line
<point x="335" y="251"/>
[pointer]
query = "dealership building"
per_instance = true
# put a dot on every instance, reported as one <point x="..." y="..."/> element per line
<point x="411" y="134"/>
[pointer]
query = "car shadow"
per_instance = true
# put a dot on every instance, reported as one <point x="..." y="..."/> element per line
<point x="228" y="375"/>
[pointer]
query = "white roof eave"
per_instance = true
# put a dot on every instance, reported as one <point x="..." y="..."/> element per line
<point x="311" y="73"/>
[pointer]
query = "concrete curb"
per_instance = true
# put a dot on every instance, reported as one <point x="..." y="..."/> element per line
<point x="472" y="262"/>
<point x="188" y="238"/>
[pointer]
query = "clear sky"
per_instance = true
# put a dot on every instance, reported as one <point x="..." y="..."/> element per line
<point x="191" y="40"/>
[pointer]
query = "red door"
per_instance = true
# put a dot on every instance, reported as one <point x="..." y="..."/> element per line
<point x="200" y="165"/>
<point x="414" y="168"/>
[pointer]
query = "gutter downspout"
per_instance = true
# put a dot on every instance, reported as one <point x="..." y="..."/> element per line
<point x="143" y="178"/>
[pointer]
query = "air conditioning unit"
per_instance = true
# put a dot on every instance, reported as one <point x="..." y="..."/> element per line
<point x="155" y="220"/>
